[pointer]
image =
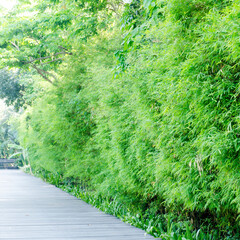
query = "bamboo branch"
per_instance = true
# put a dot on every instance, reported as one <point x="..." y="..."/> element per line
<point x="15" y="45"/>
<point x="113" y="8"/>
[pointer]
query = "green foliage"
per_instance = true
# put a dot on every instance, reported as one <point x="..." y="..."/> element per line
<point x="11" y="89"/>
<point x="164" y="135"/>
<point x="8" y="135"/>
<point x="18" y="89"/>
<point x="40" y="34"/>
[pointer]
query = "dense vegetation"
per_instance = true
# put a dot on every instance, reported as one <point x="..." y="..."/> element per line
<point x="8" y="136"/>
<point x="141" y="109"/>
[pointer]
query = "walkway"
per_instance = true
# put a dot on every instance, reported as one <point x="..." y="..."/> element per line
<point x="33" y="209"/>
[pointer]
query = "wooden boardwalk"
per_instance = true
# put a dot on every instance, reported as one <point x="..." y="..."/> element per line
<point x="33" y="209"/>
<point x="8" y="163"/>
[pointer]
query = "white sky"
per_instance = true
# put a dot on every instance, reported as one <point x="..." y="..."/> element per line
<point x="8" y="3"/>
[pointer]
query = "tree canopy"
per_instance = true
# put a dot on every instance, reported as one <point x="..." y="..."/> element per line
<point x="41" y="34"/>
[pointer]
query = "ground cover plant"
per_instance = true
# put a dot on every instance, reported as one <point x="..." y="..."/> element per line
<point x="162" y="226"/>
<point x="142" y="112"/>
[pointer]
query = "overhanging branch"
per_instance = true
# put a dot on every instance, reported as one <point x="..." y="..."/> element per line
<point x="55" y="60"/>
<point x="44" y="74"/>
<point x="47" y="57"/>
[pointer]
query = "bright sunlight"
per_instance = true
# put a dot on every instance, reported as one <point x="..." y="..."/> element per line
<point x="8" y="4"/>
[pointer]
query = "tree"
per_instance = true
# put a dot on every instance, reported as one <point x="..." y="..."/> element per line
<point x="7" y="134"/>
<point x="40" y="34"/>
<point x="11" y="90"/>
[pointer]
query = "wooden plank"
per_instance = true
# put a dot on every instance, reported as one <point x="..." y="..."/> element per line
<point x="8" y="163"/>
<point x="83" y="238"/>
<point x="33" y="209"/>
<point x="4" y="160"/>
